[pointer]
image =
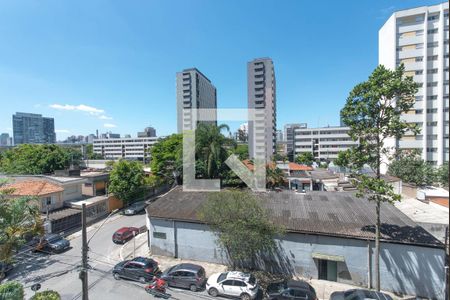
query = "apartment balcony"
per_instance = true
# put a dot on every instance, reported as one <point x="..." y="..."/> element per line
<point x="412" y="118"/>
<point x="410" y="40"/>
<point x="259" y="71"/>
<point x="259" y="93"/>
<point x="259" y="84"/>
<point x="410" y="53"/>
<point x="410" y="27"/>
<point x="408" y="144"/>
<point x="414" y="66"/>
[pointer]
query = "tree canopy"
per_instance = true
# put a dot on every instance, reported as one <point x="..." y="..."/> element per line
<point x="241" y="224"/>
<point x="306" y="158"/>
<point x="373" y="112"/>
<point x="167" y="156"/>
<point x="126" y="180"/>
<point x="38" y="159"/>
<point x="46" y="295"/>
<point x="411" y="168"/>
<point x="19" y="216"/>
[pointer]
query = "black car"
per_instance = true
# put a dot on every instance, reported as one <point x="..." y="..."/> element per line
<point x="4" y="269"/>
<point x="51" y="243"/>
<point x="359" y="294"/>
<point x="291" y="290"/>
<point x="140" y="269"/>
<point x="186" y="275"/>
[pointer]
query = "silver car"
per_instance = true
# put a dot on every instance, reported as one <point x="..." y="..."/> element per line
<point x="135" y="208"/>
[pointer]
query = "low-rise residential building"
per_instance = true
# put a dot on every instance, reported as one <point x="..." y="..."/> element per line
<point x="324" y="143"/>
<point x="49" y="196"/>
<point x="128" y="148"/>
<point x="96" y="183"/>
<point x="329" y="236"/>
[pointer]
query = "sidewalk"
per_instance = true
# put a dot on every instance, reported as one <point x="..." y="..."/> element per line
<point x="323" y="288"/>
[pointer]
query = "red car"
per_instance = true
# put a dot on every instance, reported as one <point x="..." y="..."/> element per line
<point x="124" y="234"/>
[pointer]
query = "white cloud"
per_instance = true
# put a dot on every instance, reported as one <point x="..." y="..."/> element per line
<point x="108" y="125"/>
<point x="103" y="117"/>
<point x="62" y="131"/>
<point x="84" y="108"/>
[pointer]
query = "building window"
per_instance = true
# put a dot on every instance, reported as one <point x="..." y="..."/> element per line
<point x="159" y="235"/>
<point x="419" y="98"/>
<point x="431" y="110"/>
<point x="432" y="57"/>
<point x="432" y="71"/>
<point x="418" y="59"/>
<point x="419" y="111"/>
<point x="431" y="84"/>
<point x="434" y="123"/>
<point x="419" y="72"/>
<point x="432" y="44"/>
<point x="434" y="97"/>
<point x="434" y="17"/>
<point x="431" y="31"/>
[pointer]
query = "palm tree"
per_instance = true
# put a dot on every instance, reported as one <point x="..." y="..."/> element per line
<point x="274" y="177"/>
<point x="211" y="146"/>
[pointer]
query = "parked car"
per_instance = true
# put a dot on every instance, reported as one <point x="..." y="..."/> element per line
<point x="359" y="294"/>
<point x="291" y="290"/>
<point x="236" y="284"/>
<point x="135" y="208"/>
<point x="124" y="234"/>
<point x="140" y="269"/>
<point x="4" y="269"/>
<point x="185" y="276"/>
<point x="50" y="243"/>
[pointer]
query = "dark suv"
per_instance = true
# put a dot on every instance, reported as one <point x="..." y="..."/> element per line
<point x="291" y="290"/>
<point x="124" y="234"/>
<point x="188" y="276"/>
<point x="140" y="269"/>
<point x="51" y="243"/>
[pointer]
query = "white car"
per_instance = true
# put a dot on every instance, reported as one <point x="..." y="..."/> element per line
<point x="235" y="284"/>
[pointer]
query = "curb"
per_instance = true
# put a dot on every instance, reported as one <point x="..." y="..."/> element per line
<point x="138" y="246"/>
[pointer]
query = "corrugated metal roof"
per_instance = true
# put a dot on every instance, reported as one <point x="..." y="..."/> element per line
<point x="326" y="213"/>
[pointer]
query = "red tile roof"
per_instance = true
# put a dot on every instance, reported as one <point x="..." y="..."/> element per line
<point x="32" y="188"/>
<point x="297" y="167"/>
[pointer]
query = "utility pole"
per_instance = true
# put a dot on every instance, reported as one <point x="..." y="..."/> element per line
<point x="84" y="255"/>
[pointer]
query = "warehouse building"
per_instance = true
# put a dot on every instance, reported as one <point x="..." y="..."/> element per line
<point x="328" y="236"/>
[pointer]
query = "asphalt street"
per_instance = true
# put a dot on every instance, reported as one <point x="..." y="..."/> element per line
<point x="60" y="271"/>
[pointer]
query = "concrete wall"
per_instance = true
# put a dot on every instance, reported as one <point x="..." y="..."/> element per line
<point x="72" y="191"/>
<point x="404" y="269"/>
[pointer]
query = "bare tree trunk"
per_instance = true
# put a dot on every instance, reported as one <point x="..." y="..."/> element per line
<point x="377" y="249"/>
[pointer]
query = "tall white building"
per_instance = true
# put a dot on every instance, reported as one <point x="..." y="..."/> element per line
<point x="418" y="38"/>
<point x="324" y="143"/>
<point x="261" y="91"/>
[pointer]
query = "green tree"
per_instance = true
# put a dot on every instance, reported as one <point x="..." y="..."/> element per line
<point x="11" y="290"/>
<point x="18" y="217"/>
<point x="241" y="151"/>
<point x="126" y="180"/>
<point x="46" y="295"/>
<point x="411" y="168"/>
<point x="274" y="177"/>
<point x="306" y="158"/>
<point x="373" y="112"/>
<point x="90" y="154"/>
<point x="213" y="148"/>
<point x="442" y="174"/>
<point x="167" y="157"/>
<point x="37" y="159"/>
<point x="241" y="224"/>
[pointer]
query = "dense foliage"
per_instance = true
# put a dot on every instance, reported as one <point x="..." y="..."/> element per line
<point x="167" y="156"/>
<point x="46" y="295"/>
<point x="442" y="175"/>
<point x="18" y="217"/>
<point x="38" y="159"/>
<point x="126" y="180"/>
<point x="373" y="112"/>
<point x="411" y="168"/>
<point x="11" y="290"/>
<point x="90" y="154"/>
<point x="274" y="178"/>
<point x="242" y="226"/>
<point x="306" y="158"/>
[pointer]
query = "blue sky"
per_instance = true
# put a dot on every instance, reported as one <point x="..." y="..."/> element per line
<point x="110" y="65"/>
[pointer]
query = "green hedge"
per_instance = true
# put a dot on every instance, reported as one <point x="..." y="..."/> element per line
<point x="11" y="290"/>
<point x="46" y="295"/>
